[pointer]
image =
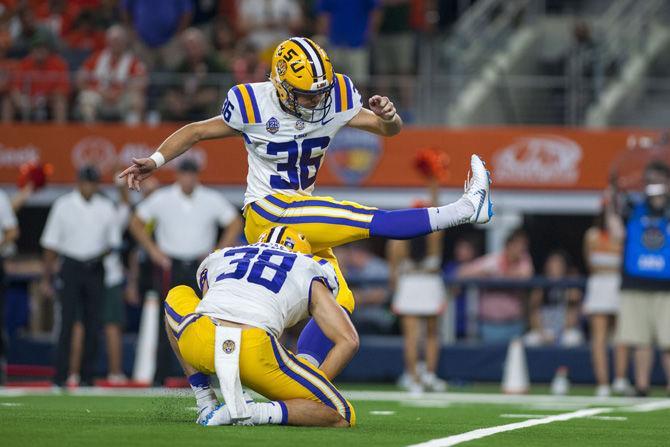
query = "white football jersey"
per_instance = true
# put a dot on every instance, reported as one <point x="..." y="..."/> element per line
<point x="262" y="285"/>
<point x="285" y="152"/>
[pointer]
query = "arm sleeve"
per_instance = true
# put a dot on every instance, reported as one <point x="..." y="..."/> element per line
<point x="230" y="111"/>
<point x="52" y="230"/>
<point x="324" y="271"/>
<point x="7" y="216"/>
<point x="201" y="274"/>
<point x="356" y="100"/>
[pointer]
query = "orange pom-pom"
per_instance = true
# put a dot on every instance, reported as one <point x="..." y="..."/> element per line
<point x="432" y="163"/>
<point x="35" y="173"/>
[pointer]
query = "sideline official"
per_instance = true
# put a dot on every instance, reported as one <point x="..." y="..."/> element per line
<point x="81" y="229"/>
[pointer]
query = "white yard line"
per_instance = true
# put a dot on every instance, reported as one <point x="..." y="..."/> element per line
<point x="649" y="406"/>
<point x="539" y="416"/>
<point x="496" y="399"/>
<point x="489" y="431"/>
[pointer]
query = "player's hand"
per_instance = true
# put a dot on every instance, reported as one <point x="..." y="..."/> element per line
<point x="138" y="171"/>
<point x="382" y="107"/>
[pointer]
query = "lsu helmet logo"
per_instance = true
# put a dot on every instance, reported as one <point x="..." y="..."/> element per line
<point x="353" y="155"/>
<point x="281" y="67"/>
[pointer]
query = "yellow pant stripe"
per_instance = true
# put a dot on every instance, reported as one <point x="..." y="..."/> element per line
<point x="322" y="211"/>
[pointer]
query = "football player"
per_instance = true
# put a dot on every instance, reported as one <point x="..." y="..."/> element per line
<point x="262" y="289"/>
<point x="287" y="124"/>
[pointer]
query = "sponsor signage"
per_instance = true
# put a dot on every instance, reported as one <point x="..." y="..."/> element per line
<point x="519" y="157"/>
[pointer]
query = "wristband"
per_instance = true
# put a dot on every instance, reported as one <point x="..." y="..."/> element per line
<point x="158" y="158"/>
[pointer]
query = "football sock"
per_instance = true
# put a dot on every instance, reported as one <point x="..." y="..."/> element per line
<point x="313" y="345"/>
<point x="411" y="223"/>
<point x="454" y="214"/>
<point x="269" y="413"/>
<point x="204" y="395"/>
<point x="262" y="413"/>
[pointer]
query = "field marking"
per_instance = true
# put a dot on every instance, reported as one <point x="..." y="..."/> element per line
<point x="577" y="402"/>
<point x="10" y="404"/>
<point x="426" y="404"/>
<point x="649" y="406"/>
<point x="382" y="412"/>
<point x="538" y="416"/>
<point x="489" y="431"/>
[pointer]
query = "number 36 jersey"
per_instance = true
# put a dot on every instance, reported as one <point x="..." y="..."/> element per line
<point x="262" y="285"/>
<point x="285" y="152"/>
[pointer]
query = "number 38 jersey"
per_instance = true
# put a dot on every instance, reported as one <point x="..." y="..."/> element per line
<point x="285" y="152"/>
<point x="262" y="285"/>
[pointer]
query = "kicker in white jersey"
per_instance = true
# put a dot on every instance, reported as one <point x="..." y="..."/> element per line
<point x="285" y="152"/>
<point x="262" y="285"/>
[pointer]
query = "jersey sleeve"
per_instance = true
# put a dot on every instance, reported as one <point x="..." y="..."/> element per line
<point x="347" y="100"/>
<point x="201" y="275"/>
<point x="233" y="110"/>
<point x="323" y="271"/>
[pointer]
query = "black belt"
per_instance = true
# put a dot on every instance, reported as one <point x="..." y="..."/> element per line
<point x="88" y="264"/>
<point x="185" y="262"/>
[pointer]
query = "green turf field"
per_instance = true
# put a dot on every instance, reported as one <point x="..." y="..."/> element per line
<point x="386" y="418"/>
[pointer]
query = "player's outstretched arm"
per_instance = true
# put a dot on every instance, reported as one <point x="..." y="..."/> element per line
<point x="381" y="119"/>
<point x="175" y="145"/>
<point x="337" y="326"/>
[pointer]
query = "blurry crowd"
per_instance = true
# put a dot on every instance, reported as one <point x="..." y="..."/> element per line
<point x="621" y="299"/>
<point x="147" y="60"/>
<point x="103" y="259"/>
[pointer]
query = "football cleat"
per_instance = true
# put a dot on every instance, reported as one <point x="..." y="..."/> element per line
<point x="478" y="191"/>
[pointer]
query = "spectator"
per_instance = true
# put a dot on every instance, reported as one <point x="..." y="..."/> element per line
<point x="112" y="82"/>
<point x="644" y="315"/>
<point x="465" y="250"/>
<point x="24" y="29"/>
<point x="394" y="51"/>
<point x="186" y="216"/>
<point x="197" y="95"/>
<point x="57" y="16"/>
<point x="223" y="37"/>
<point x="368" y="275"/>
<point x="602" y="253"/>
<point x="248" y="66"/>
<point x="419" y="300"/>
<point x="501" y="311"/>
<point x="10" y="232"/>
<point x="85" y="35"/>
<point x="7" y="68"/>
<point x="156" y="28"/>
<point x="350" y="26"/>
<point x="554" y="311"/>
<point x="266" y="23"/>
<point x="80" y="229"/>
<point x="41" y="85"/>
